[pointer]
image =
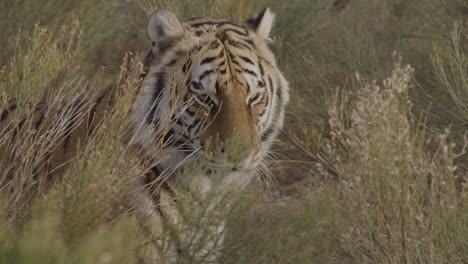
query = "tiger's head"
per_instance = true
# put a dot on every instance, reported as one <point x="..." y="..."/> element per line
<point x="212" y="82"/>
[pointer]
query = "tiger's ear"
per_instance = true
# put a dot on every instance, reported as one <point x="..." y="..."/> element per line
<point x="164" y="29"/>
<point x="262" y="23"/>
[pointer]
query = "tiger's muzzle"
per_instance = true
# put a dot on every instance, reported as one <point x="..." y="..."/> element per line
<point x="231" y="137"/>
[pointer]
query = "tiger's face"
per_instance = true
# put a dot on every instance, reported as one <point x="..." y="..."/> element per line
<point x="217" y="84"/>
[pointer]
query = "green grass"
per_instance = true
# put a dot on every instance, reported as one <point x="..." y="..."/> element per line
<point x="372" y="154"/>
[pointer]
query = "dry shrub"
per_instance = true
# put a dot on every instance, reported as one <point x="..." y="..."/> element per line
<point x="404" y="204"/>
<point x="46" y="99"/>
<point x="451" y="67"/>
<point x="76" y="204"/>
<point x="95" y="187"/>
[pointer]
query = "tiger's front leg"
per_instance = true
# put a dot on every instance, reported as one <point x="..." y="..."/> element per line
<point x="181" y="226"/>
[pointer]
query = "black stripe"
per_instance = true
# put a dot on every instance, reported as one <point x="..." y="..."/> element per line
<point x="17" y="128"/>
<point x="278" y="109"/>
<point x="214" y="45"/>
<point x="253" y="99"/>
<point x="262" y="71"/>
<point x="215" y="23"/>
<point x="168" y="136"/>
<point x="186" y="97"/>
<point x="179" y="122"/>
<point x="250" y="72"/>
<point x="248" y="87"/>
<point x="194" y="123"/>
<point x="267" y="133"/>
<point x="194" y="126"/>
<point x="217" y="86"/>
<point x="236" y="31"/>
<point x="190" y="112"/>
<point x="278" y="94"/>
<point x="247" y="60"/>
<point x="186" y="66"/>
<point x="7" y="111"/>
<point x="39" y="122"/>
<point x="263" y="111"/>
<point x="248" y="41"/>
<point x="156" y="95"/>
<point x="196" y="86"/>
<point x="188" y="82"/>
<point x="271" y="82"/>
<point x="208" y="60"/>
<point x="168" y="188"/>
<point x="205" y="74"/>
<point x="182" y="145"/>
<point x="239" y="44"/>
<point x="171" y="63"/>
<point x="267" y="104"/>
<point x="271" y="90"/>
<point x="233" y="60"/>
<point x="21" y="123"/>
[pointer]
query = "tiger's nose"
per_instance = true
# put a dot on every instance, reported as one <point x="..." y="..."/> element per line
<point x="230" y="138"/>
<point x="234" y="147"/>
<point x="231" y="131"/>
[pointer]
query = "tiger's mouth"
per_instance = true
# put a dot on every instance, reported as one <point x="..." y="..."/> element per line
<point x="225" y="162"/>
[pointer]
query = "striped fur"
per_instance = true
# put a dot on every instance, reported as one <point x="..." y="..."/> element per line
<point x="227" y="81"/>
<point x="52" y="133"/>
<point x="207" y="83"/>
<point x="211" y="82"/>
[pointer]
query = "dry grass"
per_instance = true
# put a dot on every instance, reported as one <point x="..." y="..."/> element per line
<point x="378" y="167"/>
<point x="404" y="205"/>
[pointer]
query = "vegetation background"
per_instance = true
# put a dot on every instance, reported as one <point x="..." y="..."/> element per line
<point x="370" y="168"/>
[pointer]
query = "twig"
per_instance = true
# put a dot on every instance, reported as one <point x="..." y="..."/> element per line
<point x="314" y="157"/>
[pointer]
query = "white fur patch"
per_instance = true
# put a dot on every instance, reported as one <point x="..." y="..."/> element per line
<point x="265" y="25"/>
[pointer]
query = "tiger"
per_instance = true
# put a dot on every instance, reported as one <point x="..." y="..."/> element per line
<point x="211" y="90"/>
<point x="230" y="89"/>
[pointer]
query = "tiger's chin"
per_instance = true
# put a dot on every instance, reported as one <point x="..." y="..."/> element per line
<point x="236" y="174"/>
<point x="218" y="173"/>
<point x="246" y="164"/>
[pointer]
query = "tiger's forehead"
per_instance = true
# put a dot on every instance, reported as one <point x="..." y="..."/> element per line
<point x="214" y="26"/>
<point x="221" y="54"/>
<point x="212" y="34"/>
<point x="209" y="23"/>
<point x="225" y="49"/>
